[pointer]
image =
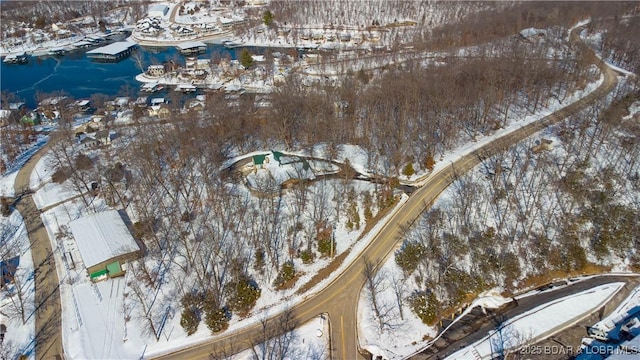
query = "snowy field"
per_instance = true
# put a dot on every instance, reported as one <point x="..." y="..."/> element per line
<point x="20" y="334"/>
<point x="540" y="322"/>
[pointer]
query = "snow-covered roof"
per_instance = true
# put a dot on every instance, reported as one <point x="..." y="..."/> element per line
<point x="82" y="43"/>
<point x="190" y="44"/>
<point x="529" y="32"/>
<point x="102" y="236"/>
<point x="158" y="7"/>
<point x="113" y="49"/>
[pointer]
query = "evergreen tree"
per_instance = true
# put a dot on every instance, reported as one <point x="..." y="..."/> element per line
<point x="245" y="59"/>
<point x="267" y="18"/>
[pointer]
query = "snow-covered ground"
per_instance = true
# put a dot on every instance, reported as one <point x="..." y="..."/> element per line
<point x="403" y="336"/>
<point x="8" y="179"/>
<point x="308" y="341"/>
<point x="400" y="336"/>
<point x="20" y="335"/>
<point x="48" y="193"/>
<point x="540" y="322"/>
<point x="51" y="193"/>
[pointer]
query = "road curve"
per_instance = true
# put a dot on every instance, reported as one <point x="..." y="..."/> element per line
<point x="340" y="297"/>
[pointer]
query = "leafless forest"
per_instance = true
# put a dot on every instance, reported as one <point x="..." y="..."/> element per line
<point x="561" y="211"/>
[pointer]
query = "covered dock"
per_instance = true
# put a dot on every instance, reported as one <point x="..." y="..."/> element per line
<point x="191" y="47"/>
<point x="112" y="52"/>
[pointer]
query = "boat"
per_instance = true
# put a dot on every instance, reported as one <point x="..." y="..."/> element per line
<point x="152" y="87"/>
<point x="16" y="59"/>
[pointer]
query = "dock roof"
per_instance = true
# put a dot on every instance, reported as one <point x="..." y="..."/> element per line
<point x="113" y="49"/>
<point x="190" y="44"/>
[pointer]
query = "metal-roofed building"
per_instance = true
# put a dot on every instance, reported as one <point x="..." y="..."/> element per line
<point x="112" y="52"/>
<point x="191" y="47"/>
<point x="105" y="243"/>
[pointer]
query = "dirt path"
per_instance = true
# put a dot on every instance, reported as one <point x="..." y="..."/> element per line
<point x="48" y="340"/>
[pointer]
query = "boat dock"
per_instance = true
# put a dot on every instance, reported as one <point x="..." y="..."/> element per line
<point x="191" y="47"/>
<point x="112" y="52"/>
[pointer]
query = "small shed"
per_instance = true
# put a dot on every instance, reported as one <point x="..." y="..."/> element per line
<point x="105" y="244"/>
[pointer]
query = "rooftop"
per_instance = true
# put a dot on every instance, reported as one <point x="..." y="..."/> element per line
<point x="102" y="236"/>
<point x="113" y="49"/>
<point x="190" y="44"/>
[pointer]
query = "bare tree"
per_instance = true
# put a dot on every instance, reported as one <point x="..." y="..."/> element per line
<point x="374" y="283"/>
<point x="277" y="338"/>
<point x="399" y="286"/>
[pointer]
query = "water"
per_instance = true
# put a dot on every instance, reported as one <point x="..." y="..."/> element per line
<point x="75" y="75"/>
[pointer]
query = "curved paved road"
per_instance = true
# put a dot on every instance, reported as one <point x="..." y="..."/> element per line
<point x="48" y="341"/>
<point x="340" y="297"/>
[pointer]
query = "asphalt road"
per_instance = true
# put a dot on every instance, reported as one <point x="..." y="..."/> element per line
<point x="48" y="341"/>
<point x="339" y="298"/>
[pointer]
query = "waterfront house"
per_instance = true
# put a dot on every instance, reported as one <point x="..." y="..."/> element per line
<point x="156" y="70"/>
<point x="317" y="37"/>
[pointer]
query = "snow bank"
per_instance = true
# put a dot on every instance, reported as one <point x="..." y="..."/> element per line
<point x="490" y="300"/>
<point x="540" y="322"/>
